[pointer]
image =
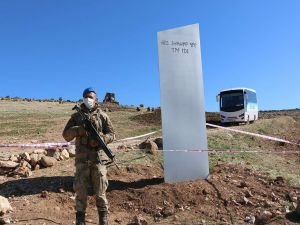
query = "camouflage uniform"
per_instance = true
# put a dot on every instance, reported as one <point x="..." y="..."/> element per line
<point x="88" y="158"/>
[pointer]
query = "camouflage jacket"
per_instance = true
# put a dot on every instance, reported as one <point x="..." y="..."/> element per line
<point x="86" y="146"/>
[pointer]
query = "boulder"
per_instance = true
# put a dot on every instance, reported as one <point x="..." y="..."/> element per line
<point x="22" y="172"/>
<point x="25" y="164"/>
<point x="56" y="155"/>
<point x="34" y="159"/>
<point x="150" y="146"/>
<point x="26" y="156"/>
<point x="64" y="154"/>
<point x="8" y="164"/>
<point x="159" y="142"/>
<point x="37" y="167"/>
<point x="40" y="156"/>
<point x="13" y="158"/>
<point x="52" y="151"/>
<point x="47" y="161"/>
<point x="71" y="150"/>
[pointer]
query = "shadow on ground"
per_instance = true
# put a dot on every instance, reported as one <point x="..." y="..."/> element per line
<point x="31" y="186"/>
<point x="293" y="217"/>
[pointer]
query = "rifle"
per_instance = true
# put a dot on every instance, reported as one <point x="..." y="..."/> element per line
<point x="92" y="131"/>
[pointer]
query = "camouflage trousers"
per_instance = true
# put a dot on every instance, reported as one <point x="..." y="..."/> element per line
<point x="94" y="174"/>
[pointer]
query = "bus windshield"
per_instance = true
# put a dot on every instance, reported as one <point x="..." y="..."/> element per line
<point x="231" y="101"/>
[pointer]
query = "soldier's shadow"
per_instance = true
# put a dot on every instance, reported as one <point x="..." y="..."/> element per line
<point x="31" y="186"/>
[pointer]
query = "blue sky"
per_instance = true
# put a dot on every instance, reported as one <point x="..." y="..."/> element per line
<point x="56" y="48"/>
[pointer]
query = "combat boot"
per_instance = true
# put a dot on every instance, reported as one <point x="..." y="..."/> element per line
<point x="103" y="217"/>
<point x="80" y="218"/>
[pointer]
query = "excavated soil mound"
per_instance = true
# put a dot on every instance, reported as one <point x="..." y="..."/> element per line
<point x="152" y="118"/>
<point x="231" y="195"/>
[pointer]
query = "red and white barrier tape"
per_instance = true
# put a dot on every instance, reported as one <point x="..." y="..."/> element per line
<point x="41" y="145"/>
<point x="229" y="151"/>
<point x="65" y="144"/>
<point x="253" y="134"/>
<point x="137" y="137"/>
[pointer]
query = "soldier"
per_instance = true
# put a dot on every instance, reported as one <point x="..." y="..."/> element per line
<point x="89" y="167"/>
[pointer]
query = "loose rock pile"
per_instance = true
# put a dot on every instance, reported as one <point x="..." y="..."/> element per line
<point x="21" y="165"/>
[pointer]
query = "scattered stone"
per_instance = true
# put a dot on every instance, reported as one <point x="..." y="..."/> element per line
<point x="22" y="172"/>
<point x="294" y="205"/>
<point x="250" y="219"/>
<point x="25" y="164"/>
<point x="203" y="222"/>
<point x="235" y="182"/>
<point x="64" y="154"/>
<point x="40" y="151"/>
<point x="37" y="167"/>
<point x="118" y="221"/>
<point x="139" y="220"/>
<point x="205" y="192"/>
<point x="277" y="212"/>
<point x="263" y="218"/>
<point x="262" y="181"/>
<point x="166" y="203"/>
<point x="122" y="147"/>
<point x="47" y="161"/>
<point x="40" y="156"/>
<point x="267" y="213"/>
<point x="44" y="194"/>
<point x="52" y="151"/>
<point x="57" y="155"/>
<point x="8" y="164"/>
<point x="26" y="156"/>
<point x="279" y="180"/>
<point x="235" y="202"/>
<point x="267" y="203"/>
<point x="34" y="159"/>
<point x="13" y="158"/>
<point x="61" y="190"/>
<point x="246" y="201"/>
<point x="71" y="150"/>
<point x="5" y="206"/>
<point x="167" y="211"/>
<point x="243" y="184"/>
<point x="248" y="194"/>
<point x="274" y="197"/>
<point x="292" y="196"/>
<point x="4" y="220"/>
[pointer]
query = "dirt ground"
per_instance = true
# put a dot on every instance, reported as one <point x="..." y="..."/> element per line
<point x="229" y="196"/>
<point x="234" y="193"/>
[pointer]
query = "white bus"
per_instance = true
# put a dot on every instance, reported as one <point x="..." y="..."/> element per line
<point x="238" y="105"/>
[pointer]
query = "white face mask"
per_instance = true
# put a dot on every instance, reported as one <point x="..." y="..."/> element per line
<point x="89" y="103"/>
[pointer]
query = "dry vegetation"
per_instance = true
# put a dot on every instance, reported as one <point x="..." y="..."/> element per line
<point x="265" y="179"/>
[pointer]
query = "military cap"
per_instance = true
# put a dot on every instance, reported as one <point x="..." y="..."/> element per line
<point x="88" y="90"/>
